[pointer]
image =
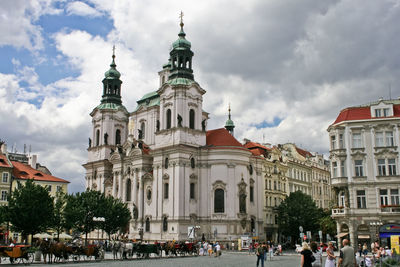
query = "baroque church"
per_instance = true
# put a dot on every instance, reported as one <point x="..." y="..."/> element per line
<point x="173" y="172"/>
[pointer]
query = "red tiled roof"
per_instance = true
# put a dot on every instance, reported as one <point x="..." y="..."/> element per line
<point x="24" y="171"/>
<point x="303" y="152"/>
<point x="361" y="113"/>
<point x="221" y="137"/>
<point x="251" y="145"/>
<point x="4" y="162"/>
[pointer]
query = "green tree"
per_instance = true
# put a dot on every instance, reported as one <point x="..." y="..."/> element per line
<point x="58" y="223"/>
<point x="327" y="224"/>
<point x="30" y="209"/>
<point x="115" y="213"/>
<point x="3" y="214"/>
<point x="298" y="209"/>
<point x="80" y="210"/>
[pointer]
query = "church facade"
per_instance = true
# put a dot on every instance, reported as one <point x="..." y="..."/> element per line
<point x="172" y="171"/>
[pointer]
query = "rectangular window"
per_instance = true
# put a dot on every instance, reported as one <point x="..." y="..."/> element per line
<point x="385" y="112"/>
<point x="381" y="167"/>
<point x="274" y="201"/>
<point x="379" y="139"/>
<point x="392" y="166"/>
<point x="341" y="143"/>
<point x="192" y="187"/>
<point x="15" y="236"/>
<point x="389" y="138"/>
<point x="5" y="177"/>
<point x="166" y="190"/>
<point x="356" y="140"/>
<point x="3" y="195"/>
<point x="384" y="197"/>
<point x="251" y="193"/>
<point x="334" y="168"/>
<point x="342" y="168"/>
<point x="377" y="112"/>
<point x="359" y="171"/>
<point x="361" y="200"/>
<point x="49" y="188"/>
<point x="333" y="142"/>
<point x="274" y="185"/>
<point x="59" y="188"/>
<point x="394" y="196"/>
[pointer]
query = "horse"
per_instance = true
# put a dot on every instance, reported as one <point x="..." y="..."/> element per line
<point x="59" y="250"/>
<point x="44" y="246"/>
<point x="115" y="247"/>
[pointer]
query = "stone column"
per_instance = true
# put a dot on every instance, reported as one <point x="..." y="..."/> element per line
<point x="114" y="189"/>
<point x="140" y="206"/>
<point x="134" y="190"/>
<point x="339" y="244"/>
<point x="352" y="234"/>
<point x="120" y="185"/>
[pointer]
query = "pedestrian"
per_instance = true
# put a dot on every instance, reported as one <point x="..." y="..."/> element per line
<point x="260" y="255"/>
<point x="317" y="255"/>
<point x="210" y="250"/>
<point x="233" y="245"/>
<point x="217" y="250"/>
<point x="347" y="258"/>
<point x="306" y="256"/>
<point x="265" y="246"/>
<point x="330" y="258"/>
<point x="271" y="251"/>
<point x="365" y="249"/>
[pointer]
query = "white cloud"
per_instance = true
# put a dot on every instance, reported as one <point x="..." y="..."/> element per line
<point x="301" y="62"/>
<point x="18" y="22"/>
<point x="81" y="9"/>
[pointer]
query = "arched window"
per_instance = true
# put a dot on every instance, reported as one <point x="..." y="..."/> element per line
<point x="191" y="119"/>
<point x="165" y="224"/>
<point x="128" y="190"/>
<point x="142" y="129"/>
<point x="242" y="202"/>
<point x="97" y="137"/>
<point x="252" y="225"/>
<point x="192" y="163"/>
<point x="147" y="227"/>
<point x="118" y="137"/>
<point x="219" y="201"/>
<point x="163" y="79"/>
<point x="168" y="119"/>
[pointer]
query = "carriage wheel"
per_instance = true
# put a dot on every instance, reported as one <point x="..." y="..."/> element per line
<point x="75" y="258"/>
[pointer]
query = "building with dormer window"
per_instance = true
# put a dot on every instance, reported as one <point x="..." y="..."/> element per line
<point x="364" y="153"/>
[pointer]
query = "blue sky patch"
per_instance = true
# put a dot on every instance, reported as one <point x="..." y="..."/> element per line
<point x="266" y="124"/>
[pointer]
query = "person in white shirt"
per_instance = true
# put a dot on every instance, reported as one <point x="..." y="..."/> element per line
<point x="218" y="250"/>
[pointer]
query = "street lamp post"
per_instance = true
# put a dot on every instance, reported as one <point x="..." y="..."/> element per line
<point x="376" y="224"/>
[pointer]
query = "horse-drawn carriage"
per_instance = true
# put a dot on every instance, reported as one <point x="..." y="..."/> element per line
<point x="85" y="252"/>
<point x="63" y="251"/>
<point x="17" y="254"/>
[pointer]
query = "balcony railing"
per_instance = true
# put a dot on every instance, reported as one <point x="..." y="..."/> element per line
<point x="339" y="211"/>
<point x="390" y="208"/>
<point x="339" y="180"/>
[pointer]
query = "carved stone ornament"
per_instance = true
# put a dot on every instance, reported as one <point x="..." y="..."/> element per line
<point x="243" y="223"/>
<point x="165" y="176"/>
<point x="193" y="176"/>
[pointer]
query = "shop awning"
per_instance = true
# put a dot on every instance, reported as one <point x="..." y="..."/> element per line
<point x="364" y="237"/>
<point x="341" y="235"/>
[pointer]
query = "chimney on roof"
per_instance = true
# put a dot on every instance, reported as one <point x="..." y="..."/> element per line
<point x="32" y="161"/>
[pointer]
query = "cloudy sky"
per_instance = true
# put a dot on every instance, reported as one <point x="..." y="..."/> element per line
<point x="286" y="67"/>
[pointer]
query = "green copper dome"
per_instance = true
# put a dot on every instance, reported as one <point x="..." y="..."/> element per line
<point x="112" y="72"/>
<point x="181" y="42"/>
<point x="229" y="123"/>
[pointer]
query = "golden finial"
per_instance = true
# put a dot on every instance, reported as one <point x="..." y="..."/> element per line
<point x="181" y="16"/>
